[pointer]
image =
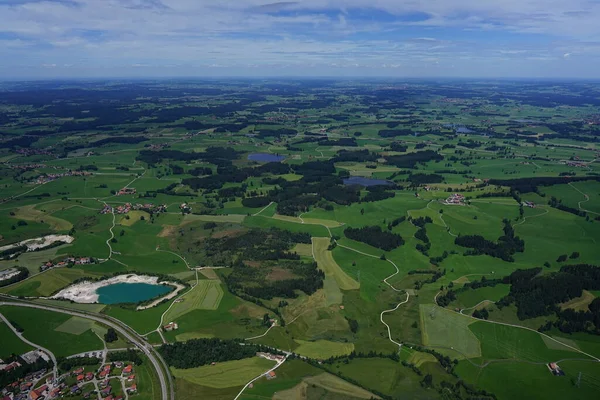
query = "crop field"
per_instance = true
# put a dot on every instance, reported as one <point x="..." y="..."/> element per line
<point x="75" y="326"/>
<point x="448" y="331"/>
<point x="30" y="213"/>
<point x="501" y="341"/>
<point x="323" y="349"/>
<point x="336" y="385"/>
<point x="206" y="295"/>
<point x="383" y="375"/>
<point x="225" y="374"/>
<point x="326" y="262"/>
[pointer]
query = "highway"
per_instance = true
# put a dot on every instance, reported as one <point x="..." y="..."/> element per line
<point x="166" y="383"/>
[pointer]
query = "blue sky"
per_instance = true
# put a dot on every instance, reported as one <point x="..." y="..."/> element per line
<point x="391" y="38"/>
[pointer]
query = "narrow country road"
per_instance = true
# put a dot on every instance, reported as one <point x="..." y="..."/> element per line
<point x="35" y="346"/>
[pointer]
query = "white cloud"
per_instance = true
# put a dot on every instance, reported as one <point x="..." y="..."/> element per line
<point x="311" y="33"/>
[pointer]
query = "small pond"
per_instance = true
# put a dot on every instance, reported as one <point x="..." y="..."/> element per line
<point x="130" y="292"/>
<point x="265" y="157"/>
<point x="362" y="181"/>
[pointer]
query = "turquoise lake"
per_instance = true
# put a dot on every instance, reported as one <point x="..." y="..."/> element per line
<point x="130" y="292"/>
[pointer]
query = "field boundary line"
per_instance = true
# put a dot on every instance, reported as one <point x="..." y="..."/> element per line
<point x="587" y="198"/>
<point x="521" y="327"/>
<point x="263" y="209"/>
<point x="279" y="363"/>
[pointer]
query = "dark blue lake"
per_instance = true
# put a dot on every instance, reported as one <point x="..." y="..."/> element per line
<point x="359" y="180"/>
<point x="462" y="129"/>
<point x="458" y="128"/>
<point x="130" y="292"/>
<point x="265" y="157"/>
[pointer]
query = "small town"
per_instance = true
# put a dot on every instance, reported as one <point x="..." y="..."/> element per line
<point x="51" y="177"/>
<point x="125" y="191"/>
<point x="111" y="381"/>
<point x="125" y="208"/>
<point x="456" y="199"/>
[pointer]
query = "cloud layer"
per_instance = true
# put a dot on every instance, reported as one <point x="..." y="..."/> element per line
<point x="471" y="38"/>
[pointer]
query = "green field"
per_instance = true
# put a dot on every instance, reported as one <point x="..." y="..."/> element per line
<point x="11" y="343"/>
<point x="225" y="374"/>
<point x="322" y="349"/>
<point x="206" y="295"/>
<point x="506" y="342"/>
<point x="448" y="332"/>
<point x="48" y="335"/>
<point x="47" y="283"/>
<point x="326" y="262"/>
<point x="199" y="199"/>
<point x="75" y="326"/>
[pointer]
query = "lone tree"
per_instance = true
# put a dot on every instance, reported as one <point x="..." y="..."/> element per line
<point x="110" y="335"/>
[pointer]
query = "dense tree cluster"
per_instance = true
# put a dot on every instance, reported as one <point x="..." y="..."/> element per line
<point x="556" y="203"/>
<point x="420" y="179"/>
<point x="504" y="248"/>
<point x="527" y="185"/>
<point x="198" y="352"/>
<point x="375" y="236"/>
<point x="411" y="159"/>
<point x="378" y="192"/>
<point x="253" y="281"/>
<point x="67" y="364"/>
<point x="23" y="273"/>
<point x="538" y="295"/>
<point x="125" y="355"/>
<point x="256" y="244"/>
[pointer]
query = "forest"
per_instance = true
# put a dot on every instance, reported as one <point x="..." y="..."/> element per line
<point x="255" y="282"/>
<point x="538" y="295"/>
<point x="198" y="352"/>
<point x="504" y="248"/>
<point x="375" y="236"/>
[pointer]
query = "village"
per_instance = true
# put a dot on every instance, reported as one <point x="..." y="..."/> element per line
<point x="67" y="261"/>
<point x="127" y="207"/>
<point x="51" y="177"/>
<point x="111" y="381"/>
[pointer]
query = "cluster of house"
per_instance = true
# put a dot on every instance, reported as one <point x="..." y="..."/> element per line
<point x="171" y="326"/>
<point x="51" y="177"/>
<point x="28" y="166"/>
<point x="555" y="369"/>
<point x="66" y="262"/>
<point x="578" y="164"/>
<point x="32" y="152"/>
<point x="22" y="388"/>
<point x="125" y="191"/>
<point x="79" y="379"/>
<point x="455" y="198"/>
<point x="185" y="208"/>
<point x="272" y="357"/>
<point x="125" y="208"/>
<point x="158" y="146"/>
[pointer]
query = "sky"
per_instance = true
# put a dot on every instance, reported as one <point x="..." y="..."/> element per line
<point x="334" y="38"/>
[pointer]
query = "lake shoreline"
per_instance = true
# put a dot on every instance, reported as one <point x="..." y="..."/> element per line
<point x="85" y="292"/>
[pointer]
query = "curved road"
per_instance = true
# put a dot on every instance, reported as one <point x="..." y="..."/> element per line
<point x="35" y="346"/>
<point x="127" y="333"/>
